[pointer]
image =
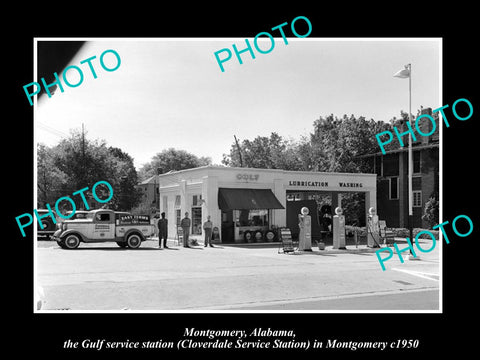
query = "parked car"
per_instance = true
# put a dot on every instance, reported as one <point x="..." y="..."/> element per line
<point x="49" y="227"/>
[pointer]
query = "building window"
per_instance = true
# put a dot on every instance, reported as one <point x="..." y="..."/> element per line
<point x="178" y="214"/>
<point x="197" y="200"/>
<point x="257" y="217"/>
<point x="393" y="188"/>
<point x="416" y="162"/>
<point x="417" y="199"/>
<point x="177" y="201"/>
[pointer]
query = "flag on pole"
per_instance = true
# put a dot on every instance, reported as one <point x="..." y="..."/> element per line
<point x="404" y="73"/>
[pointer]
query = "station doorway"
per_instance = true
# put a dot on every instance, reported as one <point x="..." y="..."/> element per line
<point x="246" y="214"/>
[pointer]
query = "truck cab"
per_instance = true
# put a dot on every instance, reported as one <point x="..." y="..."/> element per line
<point x="105" y="226"/>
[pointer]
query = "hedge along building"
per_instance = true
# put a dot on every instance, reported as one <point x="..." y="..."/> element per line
<point x="246" y="203"/>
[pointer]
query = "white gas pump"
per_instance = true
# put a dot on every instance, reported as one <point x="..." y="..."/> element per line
<point x="373" y="231"/>
<point x="339" y="229"/>
<point x="305" y="225"/>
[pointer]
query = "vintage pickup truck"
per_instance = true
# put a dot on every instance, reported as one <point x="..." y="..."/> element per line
<point x="105" y="226"/>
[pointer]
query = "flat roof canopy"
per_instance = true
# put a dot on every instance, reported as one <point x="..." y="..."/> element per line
<point x="247" y="199"/>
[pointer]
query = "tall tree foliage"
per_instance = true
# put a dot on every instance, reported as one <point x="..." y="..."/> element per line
<point x="50" y="179"/>
<point x="171" y="159"/>
<point x="273" y="152"/>
<point x="334" y="145"/>
<point x="337" y="143"/>
<point x="78" y="162"/>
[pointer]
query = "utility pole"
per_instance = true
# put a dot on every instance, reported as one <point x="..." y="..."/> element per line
<point x="83" y="149"/>
<point x="239" y="151"/>
<point x="84" y="165"/>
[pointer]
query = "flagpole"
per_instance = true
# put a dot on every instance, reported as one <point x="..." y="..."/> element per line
<point x="410" y="155"/>
<point x="402" y="74"/>
<point x="410" y="162"/>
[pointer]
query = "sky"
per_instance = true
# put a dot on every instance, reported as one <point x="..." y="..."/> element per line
<point x="172" y="93"/>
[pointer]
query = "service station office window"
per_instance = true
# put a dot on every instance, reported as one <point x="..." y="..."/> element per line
<point x="257" y="217"/>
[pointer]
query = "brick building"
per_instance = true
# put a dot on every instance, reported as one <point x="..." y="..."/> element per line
<point x="392" y="177"/>
<point x="149" y="190"/>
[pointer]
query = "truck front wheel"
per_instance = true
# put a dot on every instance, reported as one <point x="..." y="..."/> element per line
<point x="134" y="241"/>
<point x="71" y="241"/>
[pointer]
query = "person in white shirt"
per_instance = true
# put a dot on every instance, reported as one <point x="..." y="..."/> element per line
<point x="207" y="227"/>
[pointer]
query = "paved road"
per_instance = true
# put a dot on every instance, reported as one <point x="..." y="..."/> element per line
<point x="402" y="299"/>
<point x="105" y="277"/>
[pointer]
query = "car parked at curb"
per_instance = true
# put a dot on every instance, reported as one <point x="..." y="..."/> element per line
<point x="48" y="224"/>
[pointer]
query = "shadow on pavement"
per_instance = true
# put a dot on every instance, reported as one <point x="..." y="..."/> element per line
<point x="311" y="253"/>
<point x="80" y="248"/>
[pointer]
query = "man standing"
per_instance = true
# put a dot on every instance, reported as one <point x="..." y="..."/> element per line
<point x="207" y="227"/>
<point x="185" y="225"/>
<point x="162" y="231"/>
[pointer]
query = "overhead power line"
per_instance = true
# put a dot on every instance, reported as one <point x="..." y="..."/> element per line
<point x="51" y="130"/>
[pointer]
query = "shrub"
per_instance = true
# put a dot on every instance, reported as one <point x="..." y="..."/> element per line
<point x="430" y="214"/>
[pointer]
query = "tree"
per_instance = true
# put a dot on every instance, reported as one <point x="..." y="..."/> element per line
<point x="126" y="180"/>
<point x="84" y="161"/>
<point x="76" y="163"/>
<point x="49" y="178"/>
<point x="273" y="152"/>
<point x="337" y="143"/>
<point x="431" y="211"/>
<point x="171" y="159"/>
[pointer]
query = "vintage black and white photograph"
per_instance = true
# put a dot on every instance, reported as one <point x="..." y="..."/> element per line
<point x="269" y="174"/>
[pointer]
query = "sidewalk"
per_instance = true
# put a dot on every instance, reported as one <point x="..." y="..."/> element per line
<point x="349" y="248"/>
<point x="328" y="248"/>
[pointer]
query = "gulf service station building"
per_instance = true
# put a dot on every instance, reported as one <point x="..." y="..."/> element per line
<point x="247" y="204"/>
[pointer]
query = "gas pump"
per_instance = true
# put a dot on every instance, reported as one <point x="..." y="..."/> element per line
<point x="373" y="233"/>
<point x="305" y="225"/>
<point x="339" y="229"/>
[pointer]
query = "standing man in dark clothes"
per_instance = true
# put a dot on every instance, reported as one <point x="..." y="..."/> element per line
<point x="185" y="225"/>
<point x="162" y="231"/>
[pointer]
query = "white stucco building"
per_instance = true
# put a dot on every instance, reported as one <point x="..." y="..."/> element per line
<point x="248" y="203"/>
